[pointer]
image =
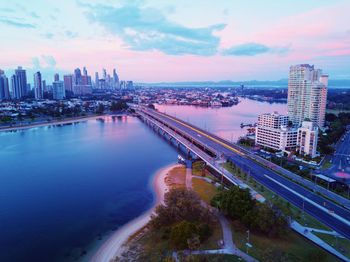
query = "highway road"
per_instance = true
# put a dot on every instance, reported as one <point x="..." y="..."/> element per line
<point x="323" y="210"/>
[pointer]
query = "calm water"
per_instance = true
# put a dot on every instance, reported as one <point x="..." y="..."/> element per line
<point x="61" y="188"/>
<point x="225" y="121"/>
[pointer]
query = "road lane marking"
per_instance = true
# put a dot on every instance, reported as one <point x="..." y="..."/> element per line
<point x="204" y="134"/>
<point x="310" y="201"/>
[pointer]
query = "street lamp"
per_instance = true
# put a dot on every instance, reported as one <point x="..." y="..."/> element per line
<point x="248" y="245"/>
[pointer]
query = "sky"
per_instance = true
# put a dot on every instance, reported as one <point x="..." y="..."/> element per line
<point x="169" y="41"/>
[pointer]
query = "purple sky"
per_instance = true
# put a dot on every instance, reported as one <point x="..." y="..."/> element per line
<point x="153" y="41"/>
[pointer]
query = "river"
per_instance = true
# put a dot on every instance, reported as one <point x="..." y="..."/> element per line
<point x="65" y="187"/>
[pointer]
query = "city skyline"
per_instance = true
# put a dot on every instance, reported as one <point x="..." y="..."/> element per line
<point x="152" y="41"/>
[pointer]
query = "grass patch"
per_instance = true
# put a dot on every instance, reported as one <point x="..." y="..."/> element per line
<point x="340" y="244"/>
<point x="326" y="165"/>
<point x="205" y="190"/>
<point x="213" y="240"/>
<point x="304" y="219"/>
<point x="198" y="168"/>
<point x="290" y="247"/>
<point x="155" y="246"/>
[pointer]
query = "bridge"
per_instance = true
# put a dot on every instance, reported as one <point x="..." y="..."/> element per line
<point x="215" y="150"/>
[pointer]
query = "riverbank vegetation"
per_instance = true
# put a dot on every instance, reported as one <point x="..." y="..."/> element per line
<point x="186" y="223"/>
<point x="181" y="223"/>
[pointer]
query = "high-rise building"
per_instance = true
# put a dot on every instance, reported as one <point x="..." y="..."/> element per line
<point x="104" y="73"/>
<point x="45" y="89"/>
<point x="68" y="83"/>
<point x="16" y="92"/>
<point x="115" y="79"/>
<point x="58" y="91"/>
<point x="81" y="83"/>
<point x="77" y="76"/>
<point x="4" y="86"/>
<point x="307" y="94"/>
<point x="56" y="77"/>
<point x="38" y="88"/>
<point x="19" y="84"/>
<point x="122" y="84"/>
<point x="97" y="81"/>
<point x="129" y="85"/>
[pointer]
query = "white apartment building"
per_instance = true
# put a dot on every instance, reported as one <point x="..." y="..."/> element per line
<point x="307" y="94"/>
<point x="274" y="120"/>
<point x="273" y="132"/>
<point x="307" y="139"/>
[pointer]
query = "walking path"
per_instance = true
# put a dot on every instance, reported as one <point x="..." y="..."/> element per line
<point x="189" y="178"/>
<point x="305" y="232"/>
<point x="333" y="233"/>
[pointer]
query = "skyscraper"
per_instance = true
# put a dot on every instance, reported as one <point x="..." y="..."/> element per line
<point x="307" y="94"/>
<point x="77" y="76"/>
<point x="104" y="73"/>
<point x="19" y="84"/>
<point x="85" y="71"/>
<point x="58" y="91"/>
<point x="56" y="77"/>
<point x="68" y="83"/>
<point x="4" y="86"/>
<point x="97" y="81"/>
<point x="16" y="93"/>
<point x="45" y="89"/>
<point x="115" y="79"/>
<point x="38" y="88"/>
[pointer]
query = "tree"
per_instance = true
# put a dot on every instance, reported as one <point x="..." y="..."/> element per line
<point x="100" y="109"/>
<point x="193" y="243"/>
<point x="118" y="106"/>
<point x="151" y="106"/>
<point x="238" y="204"/>
<point x="182" y="234"/>
<point x="180" y="204"/>
<point x="204" y="231"/>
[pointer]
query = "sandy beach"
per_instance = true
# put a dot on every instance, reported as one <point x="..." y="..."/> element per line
<point x="52" y="123"/>
<point x="113" y="246"/>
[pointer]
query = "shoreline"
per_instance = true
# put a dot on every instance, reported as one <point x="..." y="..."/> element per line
<point x="113" y="246"/>
<point x="52" y="123"/>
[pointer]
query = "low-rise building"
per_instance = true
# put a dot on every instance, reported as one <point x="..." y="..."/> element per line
<point x="307" y="139"/>
<point x="273" y="132"/>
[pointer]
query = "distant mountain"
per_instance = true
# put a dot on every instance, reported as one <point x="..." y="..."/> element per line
<point x="282" y="83"/>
